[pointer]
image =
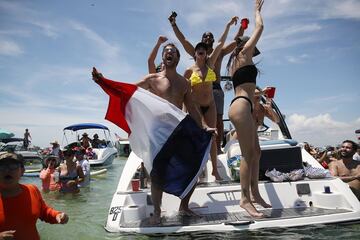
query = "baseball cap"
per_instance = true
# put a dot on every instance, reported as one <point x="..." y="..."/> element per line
<point x="11" y="156"/>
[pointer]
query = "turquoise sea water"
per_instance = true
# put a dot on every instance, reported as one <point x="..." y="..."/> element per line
<point x="88" y="212"/>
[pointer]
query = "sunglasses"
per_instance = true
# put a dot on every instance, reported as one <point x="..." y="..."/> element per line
<point x="11" y="166"/>
<point x="172" y="50"/>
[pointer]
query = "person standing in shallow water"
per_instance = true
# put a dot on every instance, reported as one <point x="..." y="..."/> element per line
<point x="243" y="74"/>
<point x="21" y="205"/>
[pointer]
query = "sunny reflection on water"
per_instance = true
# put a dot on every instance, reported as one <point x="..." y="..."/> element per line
<point x="88" y="212"/>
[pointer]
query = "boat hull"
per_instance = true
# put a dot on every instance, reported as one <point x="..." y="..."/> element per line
<point x="294" y="203"/>
<point x="105" y="157"/>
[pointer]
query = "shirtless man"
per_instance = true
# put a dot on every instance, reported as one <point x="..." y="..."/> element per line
<point x="208" y="39"/>
<point x="346" y="168"/>
<point x="174" y="88"/>
<point x="263" y="110"/>
<point x="260" y="112"/>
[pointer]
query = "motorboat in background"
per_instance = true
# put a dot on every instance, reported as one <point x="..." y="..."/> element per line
<point x="104" y="152"/>
<point x="295" y="201"/>
<point x="30" y="154"/>
<point x="123" y="147"/>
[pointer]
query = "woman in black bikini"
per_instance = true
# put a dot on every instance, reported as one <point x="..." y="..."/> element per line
<point x="243" y="73"/>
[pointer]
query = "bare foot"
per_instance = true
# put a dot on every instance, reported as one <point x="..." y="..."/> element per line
<point x="250" y="209"/>
<point x="217" y="176"/>
<point x="187" y="212"/>
<point x="256" y="198"/>
<point x="155" y="219"/>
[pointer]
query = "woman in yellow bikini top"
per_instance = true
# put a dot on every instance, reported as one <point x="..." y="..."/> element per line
<point x="201" y="89"/>
<point x="195" y="78"/>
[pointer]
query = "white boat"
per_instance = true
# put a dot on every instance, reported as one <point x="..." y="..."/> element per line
<point x="16" y="145"/>
<point x="104" y="153"/>
<point x="123" y="147"/>
<point x="294" y="203"/>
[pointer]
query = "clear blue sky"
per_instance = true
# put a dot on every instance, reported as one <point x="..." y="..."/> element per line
<point x="310" y="52"/>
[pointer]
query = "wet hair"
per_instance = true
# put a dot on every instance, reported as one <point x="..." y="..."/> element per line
<point x="201" y="45"/>
<point x="240" y="43"/>
<point x="208" y="33"/>
<point x="172" y="45"/>
<point x="239" y="46"/>
<point x="354" y="146"/>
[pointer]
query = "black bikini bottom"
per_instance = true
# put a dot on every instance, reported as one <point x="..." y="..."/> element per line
<point x="246" y="98"/>
<point x="204" y="109"/>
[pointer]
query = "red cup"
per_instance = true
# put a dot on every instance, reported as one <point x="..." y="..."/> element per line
<point x="270" y="92"/>
<point x="135" y="184"/>
<point x="244" y="23"/>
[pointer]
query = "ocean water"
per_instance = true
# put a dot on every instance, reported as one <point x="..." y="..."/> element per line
<point x="88" y="212"/>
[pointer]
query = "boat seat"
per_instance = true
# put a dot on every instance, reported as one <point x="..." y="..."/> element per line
<point x="232" y="148"/>
<point x="282" y="159"/>
<point x="283" y="155"/>
<point x="291" y="142"/>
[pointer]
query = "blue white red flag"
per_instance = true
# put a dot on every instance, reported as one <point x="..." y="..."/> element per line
<point x="174" y="149"/>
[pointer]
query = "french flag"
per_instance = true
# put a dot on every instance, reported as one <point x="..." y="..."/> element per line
<point x="173" y="147"/>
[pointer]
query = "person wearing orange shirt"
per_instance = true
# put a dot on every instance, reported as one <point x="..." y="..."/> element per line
<point x="21" y="205"/>
<point x="48" y="175"/>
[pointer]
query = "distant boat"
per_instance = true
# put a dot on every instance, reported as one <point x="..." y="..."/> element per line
<point x="105" y="152"/>
<point x="123" y="147"/>
<point x="16" y="145"/>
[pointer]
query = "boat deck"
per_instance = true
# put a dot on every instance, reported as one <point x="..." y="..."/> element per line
<point x="235" y="218"/>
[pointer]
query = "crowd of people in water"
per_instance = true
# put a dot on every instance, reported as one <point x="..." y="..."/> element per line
<point x="64" y="170"/>
<point x="342" y="161"/>
<point x="199" y="93"/>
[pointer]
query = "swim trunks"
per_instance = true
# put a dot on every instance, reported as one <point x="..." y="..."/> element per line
<point x="219" y="100"/>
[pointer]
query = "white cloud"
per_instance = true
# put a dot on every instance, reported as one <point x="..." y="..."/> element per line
<point x="9" y="48"/>
<point x="15" y="32"/>
<point x="321" y="9"/>
<point x="290" y="35"/>
<point x="322" y="129"/>
<point x="201" y="13"/>
<point x="28" y="16"/>
<point x="47" y="28"/>
<point x="45" y="126"/>
<point x="107" y="50"/>
<point x="297" y="59"/>
<point x="349" y="9"/>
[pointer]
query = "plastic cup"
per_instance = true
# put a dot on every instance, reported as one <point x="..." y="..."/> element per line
<point x="270" y="92"/>
<point x="244" y="23"/>
<point x="135" y="184"/>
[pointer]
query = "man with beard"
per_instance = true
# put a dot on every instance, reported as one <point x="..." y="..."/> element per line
<point x="173" y="87"/>
<point x="346" y="168"/>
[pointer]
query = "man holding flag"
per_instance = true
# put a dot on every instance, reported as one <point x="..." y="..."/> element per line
<point x="172" y="145"/>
